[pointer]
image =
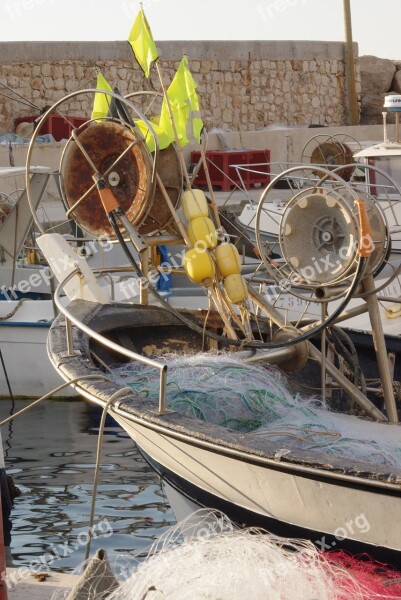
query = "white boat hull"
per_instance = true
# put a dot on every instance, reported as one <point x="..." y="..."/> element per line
<point x="331" y="512"/>
<point x="23" y="347"/>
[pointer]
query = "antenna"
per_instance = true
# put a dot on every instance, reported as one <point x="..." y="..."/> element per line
<point x="393" y="104"/>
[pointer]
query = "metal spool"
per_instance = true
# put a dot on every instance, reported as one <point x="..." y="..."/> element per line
<point x="130" y="179"/>
<point x="333" y="154"/>
<point x="323" y="251"/>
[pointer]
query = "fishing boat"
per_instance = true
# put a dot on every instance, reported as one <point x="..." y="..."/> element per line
<point x="26" y="309"/>
<point x="283" y="419"/>
<point x="26" y="305"/>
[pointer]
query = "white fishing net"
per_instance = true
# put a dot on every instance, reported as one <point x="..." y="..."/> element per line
<point x="225" y="390"/>
<point x="218" y="562"/>
<point x="206" y="557"/>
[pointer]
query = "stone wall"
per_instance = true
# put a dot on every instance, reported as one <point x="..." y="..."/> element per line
<point x="241" y="85"/>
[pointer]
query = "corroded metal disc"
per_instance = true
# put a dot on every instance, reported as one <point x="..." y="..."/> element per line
<point x="129" y="179"/>
<point x="169" y="169"/>
<point x="332" y="155"/>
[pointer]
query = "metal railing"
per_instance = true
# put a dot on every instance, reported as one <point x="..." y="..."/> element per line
<point x="70" y="320"/>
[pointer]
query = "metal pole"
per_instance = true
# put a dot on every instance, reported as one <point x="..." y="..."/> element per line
<point x="6" y="375"/>
<point x="162" y="392"/>
<point x="68" y="331"/>
<point x="314" y="353"/>
<point x="353" y="117"/>
<point x="381" y="351"/>
<point x="323" y="350"/>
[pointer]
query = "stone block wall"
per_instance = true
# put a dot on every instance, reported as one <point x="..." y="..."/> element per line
<point x="241" y="85"/>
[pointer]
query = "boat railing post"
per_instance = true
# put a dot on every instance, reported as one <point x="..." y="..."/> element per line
<point x="162" y="392"/>
<point x="68" y="329"/>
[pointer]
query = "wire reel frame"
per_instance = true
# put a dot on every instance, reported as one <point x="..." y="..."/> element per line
<point x="284" y="269"/>
<point x="387" y="199"/>
<point x="153" y="158"/>
<point x="331" y="151"/>
<point x="286" y="280"/>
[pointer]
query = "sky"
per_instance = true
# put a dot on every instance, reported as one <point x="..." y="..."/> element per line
<point x="375" y="24"/>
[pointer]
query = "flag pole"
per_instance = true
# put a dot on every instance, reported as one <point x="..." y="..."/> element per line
<point x="212" y="290"/>
<point x="210" y="187"/>
<point x="145" y="51"/>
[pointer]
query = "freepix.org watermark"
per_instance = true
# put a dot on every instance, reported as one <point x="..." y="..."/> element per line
<point x="44" y="275"/>
<point x="273" y="9"/>
<point x="358" y="525"/>
<point x="56" y="552"/>
<point x="308" y="274"/>
<point x="16" y="8"/>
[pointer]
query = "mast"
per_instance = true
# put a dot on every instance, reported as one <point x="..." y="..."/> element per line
<point x="350" y="67"/>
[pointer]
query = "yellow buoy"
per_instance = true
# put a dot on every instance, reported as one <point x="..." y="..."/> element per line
<point x="194" y="204"/>
<point x="228" y="260"/>
<point x="33" y="257"/>
<point x="202" y="232"/>
<point x="198" y="265"/>
<point x="235" y="288"/>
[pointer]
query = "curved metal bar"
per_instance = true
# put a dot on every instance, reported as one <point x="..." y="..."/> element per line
<point x="112" y="345"/>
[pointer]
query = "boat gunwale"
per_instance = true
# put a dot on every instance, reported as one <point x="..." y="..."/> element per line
<point x="176" y="425"/>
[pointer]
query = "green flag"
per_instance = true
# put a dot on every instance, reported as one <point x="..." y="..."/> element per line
<point x="142" y="44"/>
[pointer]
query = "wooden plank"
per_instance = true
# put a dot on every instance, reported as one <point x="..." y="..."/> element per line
<point x="25" y="585"/>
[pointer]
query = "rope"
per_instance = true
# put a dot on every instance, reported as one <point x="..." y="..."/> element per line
<point x="112" y="398"/>
<point x="378" y="384"/>
<point x="12" y="313"/>
<point x="49" y="394"/>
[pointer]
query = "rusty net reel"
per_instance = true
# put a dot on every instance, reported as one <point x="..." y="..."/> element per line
<point x="331" y="152"/>
<point x="124" y="161"/>
<point x="114" y="150"/>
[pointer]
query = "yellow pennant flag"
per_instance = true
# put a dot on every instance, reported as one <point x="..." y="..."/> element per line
<point x="184" y="105"/>
<point x="102" y="102"/>
<point x="142" y="44"/>
<point x="191" y="85"/>
<point x="163" y="137"/>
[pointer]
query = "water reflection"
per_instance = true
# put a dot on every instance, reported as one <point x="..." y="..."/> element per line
<point x="51" y="456"/>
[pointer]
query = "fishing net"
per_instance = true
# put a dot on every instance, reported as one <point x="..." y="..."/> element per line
<point x="370" y="574"/>
<point x="206" y="557"/>
<point x="225" y="390"/>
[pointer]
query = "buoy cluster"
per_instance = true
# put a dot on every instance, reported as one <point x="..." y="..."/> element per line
<point x="210" y="257"/>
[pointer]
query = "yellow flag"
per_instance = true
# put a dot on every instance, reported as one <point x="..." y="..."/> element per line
<point x="184" y="105"/>
<point x="101" y="103"/>
<point x="180" y="115"/>
<point x="142" y="44"/>
<point x="163" y="137"/>
<point x="191" y="85"/>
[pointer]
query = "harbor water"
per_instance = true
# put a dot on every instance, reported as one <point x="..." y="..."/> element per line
<point x="51" y="453"/>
